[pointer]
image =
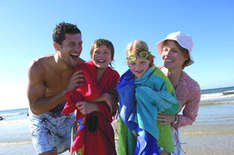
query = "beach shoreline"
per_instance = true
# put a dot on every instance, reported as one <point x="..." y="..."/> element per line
<point x="216" y="98"/>
<point x="216" y="140"/>
<point x="211" y="134"/>
<point x="210" y="139"/>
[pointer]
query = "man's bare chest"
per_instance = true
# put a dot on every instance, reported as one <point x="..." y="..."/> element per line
<point x="55" y="83"/>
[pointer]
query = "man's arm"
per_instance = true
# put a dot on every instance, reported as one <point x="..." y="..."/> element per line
<point x="36" y="91"/>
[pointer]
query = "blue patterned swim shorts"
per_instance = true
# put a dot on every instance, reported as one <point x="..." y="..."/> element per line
<point x="51" y="131"/>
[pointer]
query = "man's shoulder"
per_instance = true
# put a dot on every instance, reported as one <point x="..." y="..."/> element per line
<point x="37" y="68"/>
<point x="39" y="62"/>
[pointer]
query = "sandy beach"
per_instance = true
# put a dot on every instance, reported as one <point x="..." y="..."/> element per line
<point x="199" y="139"/>
<point x="211" y="134"/>
<point x="215" y="139"/>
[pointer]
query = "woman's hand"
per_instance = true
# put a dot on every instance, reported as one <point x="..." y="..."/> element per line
<point x="86" y="107"/>
<point x="166" y="118"/>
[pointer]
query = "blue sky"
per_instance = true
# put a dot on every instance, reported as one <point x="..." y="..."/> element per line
<point x="26" y="32"/>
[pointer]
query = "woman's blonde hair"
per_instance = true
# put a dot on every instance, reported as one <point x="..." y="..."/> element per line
<point x="138" y="46"/>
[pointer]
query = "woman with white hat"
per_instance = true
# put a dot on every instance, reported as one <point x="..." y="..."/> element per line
<point x="175" y="51"/>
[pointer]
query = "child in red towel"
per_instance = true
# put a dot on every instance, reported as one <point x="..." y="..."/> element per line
<point x="94" y="109"/>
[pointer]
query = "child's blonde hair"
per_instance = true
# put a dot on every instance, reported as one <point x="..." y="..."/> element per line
<point x="137" y="46"/>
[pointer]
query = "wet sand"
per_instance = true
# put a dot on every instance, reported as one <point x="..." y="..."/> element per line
<point x="211" y="134"/>
<point x="215" y="139"/>
<point x="20" y="148"/>
<point x="197" y="140"/>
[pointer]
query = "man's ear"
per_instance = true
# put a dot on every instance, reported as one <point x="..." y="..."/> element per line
<point x="56" y="45"/>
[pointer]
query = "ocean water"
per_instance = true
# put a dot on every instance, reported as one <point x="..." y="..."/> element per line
<point x="17" y="115"/>
<point x="14" y="114"/>
<point x="15" y="136"/>
<point x="15" y="126"/>
<point x="216" y="90"/>
<point x="222" y="113"/>
<point x="216" y="95"/>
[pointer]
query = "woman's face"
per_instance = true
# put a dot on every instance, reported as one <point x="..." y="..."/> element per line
<point x="173" y="58"/>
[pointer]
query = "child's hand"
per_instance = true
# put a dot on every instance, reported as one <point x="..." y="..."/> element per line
<point x="86" y="107"/>
<point x="166" y="118"/>
<point x="109" y="101"/>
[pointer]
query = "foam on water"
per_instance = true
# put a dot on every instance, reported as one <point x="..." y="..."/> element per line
<point x="217" y="97"/>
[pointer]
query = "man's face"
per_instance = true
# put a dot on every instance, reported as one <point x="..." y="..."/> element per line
<point x="71" y="49"/>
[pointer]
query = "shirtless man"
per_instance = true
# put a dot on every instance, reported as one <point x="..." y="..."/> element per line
<point x="50" y="76"/>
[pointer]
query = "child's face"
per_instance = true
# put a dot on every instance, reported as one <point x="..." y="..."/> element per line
<point x="139" y="67"/>
<point x="101" y="56"/>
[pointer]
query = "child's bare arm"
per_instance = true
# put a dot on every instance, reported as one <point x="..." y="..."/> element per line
<point x="99" y="99"/>
<point x="107" y="98"/>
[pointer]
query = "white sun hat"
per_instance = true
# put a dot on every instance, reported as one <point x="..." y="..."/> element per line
<point x="182" y="39"/>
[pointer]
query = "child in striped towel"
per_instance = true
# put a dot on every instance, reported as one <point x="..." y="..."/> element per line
<point x="144" y="91"/>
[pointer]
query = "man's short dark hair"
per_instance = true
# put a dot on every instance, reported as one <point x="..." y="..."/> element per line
<point x="64" y="28"/>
